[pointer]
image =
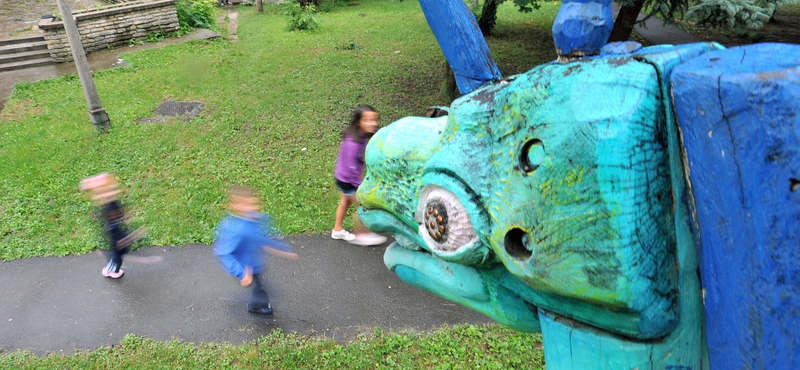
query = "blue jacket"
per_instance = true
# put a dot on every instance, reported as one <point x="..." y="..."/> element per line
<point x="240" y="240"/>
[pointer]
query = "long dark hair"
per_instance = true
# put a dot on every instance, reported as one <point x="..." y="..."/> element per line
<point x="353" y="130"/>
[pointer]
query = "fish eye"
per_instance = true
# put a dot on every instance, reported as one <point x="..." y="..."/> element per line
<point x="443" y="221"/>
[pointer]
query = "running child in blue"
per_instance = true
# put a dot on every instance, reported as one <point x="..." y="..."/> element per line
<point x="242" y="238"/>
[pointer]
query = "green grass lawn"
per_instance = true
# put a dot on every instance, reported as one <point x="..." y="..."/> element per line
<point x="267" y="96"/>
<point x="460" y="347"/>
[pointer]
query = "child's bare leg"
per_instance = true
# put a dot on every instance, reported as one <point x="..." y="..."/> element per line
<point x="364" y="236"/>
<point x="358" y="227"/>
<point x="341" y="210"/>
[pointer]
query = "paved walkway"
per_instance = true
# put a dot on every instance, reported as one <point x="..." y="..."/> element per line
<point x="335" y="290"/>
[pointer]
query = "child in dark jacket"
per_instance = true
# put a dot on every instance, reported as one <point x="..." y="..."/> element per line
<point x="105" y="191"/>
<point x="242" y="238"/>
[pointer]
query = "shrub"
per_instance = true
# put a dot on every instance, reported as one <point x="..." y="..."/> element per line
<point x="195" y="14"/>
<point x="301" y="19"/>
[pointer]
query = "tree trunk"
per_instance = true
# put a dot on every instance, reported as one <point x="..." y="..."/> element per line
<point x="474" y="4"/>
<point x="449" y="89"/>
<point x="626" y="18"/>
<point x="260" y="6"/>
<point x="488" y="17"/>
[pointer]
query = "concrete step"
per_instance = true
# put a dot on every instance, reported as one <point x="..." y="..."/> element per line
<point x="21" y="40"/>
<point x="26" y="64"/>
<point x="23" y="56"/>
<point x="19" y="48"/>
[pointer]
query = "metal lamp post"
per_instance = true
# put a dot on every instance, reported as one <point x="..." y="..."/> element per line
<point x="97" y="113"/>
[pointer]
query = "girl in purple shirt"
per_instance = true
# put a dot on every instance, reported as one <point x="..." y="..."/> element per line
<point x="349" y="173"/>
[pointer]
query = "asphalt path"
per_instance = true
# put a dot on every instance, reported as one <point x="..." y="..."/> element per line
<point x="334" y="290"/>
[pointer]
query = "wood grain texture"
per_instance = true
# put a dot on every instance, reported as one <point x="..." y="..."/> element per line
<point x="740" y="117"/>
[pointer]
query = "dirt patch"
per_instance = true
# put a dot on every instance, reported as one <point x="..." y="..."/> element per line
<point x="21" y="17"/>
<point x="24" y="110"/>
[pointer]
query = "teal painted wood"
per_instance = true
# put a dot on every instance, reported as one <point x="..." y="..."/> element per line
<point x="570" y="345"/>
<point x="579" y="223"/>
<point x="479" y="289"/>
<point x="560" y="202"/>
<point x="567" y="192"/>
<point x="558" y="195"/>
<point x="740" y="116"/>
<point x="577" y="346"/>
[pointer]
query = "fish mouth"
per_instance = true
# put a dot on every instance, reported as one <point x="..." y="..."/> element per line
<point x="475" y="288"/>
<point x="482" y="288"/>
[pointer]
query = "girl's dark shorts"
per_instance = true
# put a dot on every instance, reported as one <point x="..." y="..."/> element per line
<point x="346" y="188"/>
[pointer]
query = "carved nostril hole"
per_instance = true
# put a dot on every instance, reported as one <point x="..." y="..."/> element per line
<point x="532" y="155"/>
<point x="435" y="112"/>
<point x="794" y="184"/>
<point x="515" y="244"/>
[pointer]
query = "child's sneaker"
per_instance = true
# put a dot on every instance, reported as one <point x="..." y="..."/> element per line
<point x="342" y="235"/>
<point x="111" y="274"/>
<point x="261" y="310"/>
<point x="368" y="239"/>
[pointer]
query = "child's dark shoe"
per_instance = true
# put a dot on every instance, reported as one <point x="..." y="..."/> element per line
<point x="261" y="310"/>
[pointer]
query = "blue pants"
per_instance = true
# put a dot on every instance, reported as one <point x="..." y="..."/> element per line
<point x="258" y="296"/>
<point x="115" y="262"/>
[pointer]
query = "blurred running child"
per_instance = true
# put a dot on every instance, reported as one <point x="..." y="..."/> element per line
<point x="349" y="174"/>
<point x="104" y="191"/>
<point x="242" y="238"/>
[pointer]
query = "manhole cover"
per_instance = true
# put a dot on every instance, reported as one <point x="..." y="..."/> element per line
<point x="179" y="109"/>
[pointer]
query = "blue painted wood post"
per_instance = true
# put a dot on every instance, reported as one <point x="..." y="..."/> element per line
<point x="739" y="112"/>
<point x="582" y="27"/>
<point x="462" y="43"/>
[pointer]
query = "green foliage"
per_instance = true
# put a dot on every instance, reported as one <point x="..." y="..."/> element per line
<point x="301" y="18"/>
<point x="196" y="14"/>
<point x="740" y="16"/>
<point x="266" y="96"/>
<point x="460" y="347"/>
<point x="134" y="41"/>
<point x="666" y="10"/>
<point x="324" y="5"/>
<point x="155" y="36"/>
<point x="488" y="16"/>
<point x="527" y="6"/>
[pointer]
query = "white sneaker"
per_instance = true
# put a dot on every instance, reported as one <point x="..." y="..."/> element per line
<point x="342" y="235"/>
<point x="368" y="239"/>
